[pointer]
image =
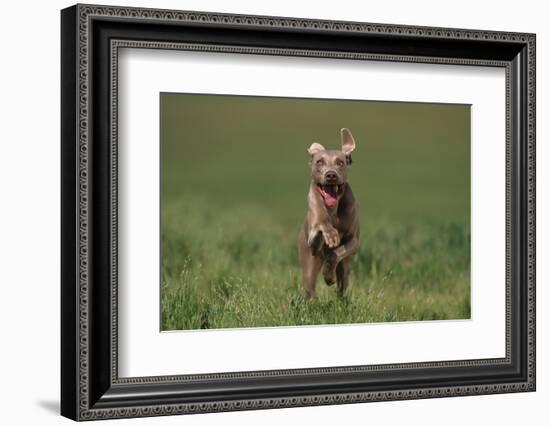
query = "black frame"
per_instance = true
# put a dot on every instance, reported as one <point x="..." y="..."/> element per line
<point x="90" y="386"/>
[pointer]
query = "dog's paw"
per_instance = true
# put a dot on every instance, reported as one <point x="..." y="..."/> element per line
<point x="315" y="242"/>
<point x="332" y="237"/>
<point x="340" y="253"/>
<point x="330" y="278"/>
<point x="329" y="269"/>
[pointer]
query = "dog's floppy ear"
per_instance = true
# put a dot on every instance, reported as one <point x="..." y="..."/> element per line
<point x="315" y="148"/>
<point x="348" y="143"/>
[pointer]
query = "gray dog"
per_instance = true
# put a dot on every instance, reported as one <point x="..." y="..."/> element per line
<point x="330" y="234"/>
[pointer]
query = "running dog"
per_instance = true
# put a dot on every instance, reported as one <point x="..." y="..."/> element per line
<point x="330" y="234"/>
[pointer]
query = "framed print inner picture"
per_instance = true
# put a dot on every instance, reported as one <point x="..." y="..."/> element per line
<point x="263" y="212"/>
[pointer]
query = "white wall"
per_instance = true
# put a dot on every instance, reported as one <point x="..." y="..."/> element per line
<point x="29" y="211"/>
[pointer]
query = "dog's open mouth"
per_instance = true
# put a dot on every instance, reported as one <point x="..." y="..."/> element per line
<point x="330" y="193"/>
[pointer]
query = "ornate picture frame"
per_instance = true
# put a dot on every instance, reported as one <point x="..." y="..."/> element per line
<point x="91" y="37"/>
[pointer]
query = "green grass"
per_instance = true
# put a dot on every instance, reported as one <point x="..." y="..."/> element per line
<point x="233" y="186"/>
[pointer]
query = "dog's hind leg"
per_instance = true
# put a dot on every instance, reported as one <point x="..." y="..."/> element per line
<point x="310" y="271"/>
<point x="311" y="265"/>
<point x="330" y="263"/>
<point x="342" y="276"/>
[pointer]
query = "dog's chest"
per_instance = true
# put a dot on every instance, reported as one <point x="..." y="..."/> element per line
<point x="340" y="216"/>
<point x="336" y="220"/>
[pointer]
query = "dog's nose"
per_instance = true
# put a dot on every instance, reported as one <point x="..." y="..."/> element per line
<point x="331" y="177"/>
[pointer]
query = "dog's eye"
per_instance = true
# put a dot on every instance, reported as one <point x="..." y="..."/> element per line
<point x="339" y="163"/>
<point x="320" y="162"/>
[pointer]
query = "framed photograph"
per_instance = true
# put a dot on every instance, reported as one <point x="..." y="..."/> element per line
<point x="263" y="212"/>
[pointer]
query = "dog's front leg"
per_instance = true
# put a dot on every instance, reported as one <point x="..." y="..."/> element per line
<point x="323" y="232"/>
<point x="333" y="257"/>
<point x="347" y="249"/>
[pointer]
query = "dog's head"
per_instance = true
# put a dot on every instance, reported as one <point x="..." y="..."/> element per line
<point x="329" y="167"/>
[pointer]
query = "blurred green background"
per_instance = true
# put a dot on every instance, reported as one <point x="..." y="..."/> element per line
<point x="234" y="179"/>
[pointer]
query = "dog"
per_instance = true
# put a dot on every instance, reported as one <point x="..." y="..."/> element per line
<point x="330" y="234"/>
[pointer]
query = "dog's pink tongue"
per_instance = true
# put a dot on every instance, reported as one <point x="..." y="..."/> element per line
<point x="329" y="200"/>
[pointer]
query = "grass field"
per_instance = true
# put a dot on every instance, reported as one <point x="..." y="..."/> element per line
<point x="233" y="189"/>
